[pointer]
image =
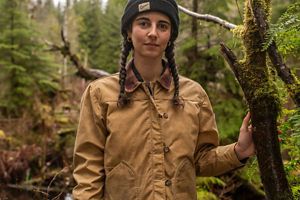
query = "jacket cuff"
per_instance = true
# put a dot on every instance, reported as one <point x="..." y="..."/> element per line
<point x="236" y="160"/>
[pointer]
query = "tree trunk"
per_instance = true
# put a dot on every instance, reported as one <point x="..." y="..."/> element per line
<point x="290" y="80"/>
<point x="192" y="53"/>
<point x="262" y="97"/>
<point x="195" y="29"/>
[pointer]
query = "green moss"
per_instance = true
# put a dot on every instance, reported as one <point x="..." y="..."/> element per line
<point x="294" y="91"/>
<point x="238" y="31"/>
<point x="269" y="94"/>
<point x="251" y="29"/>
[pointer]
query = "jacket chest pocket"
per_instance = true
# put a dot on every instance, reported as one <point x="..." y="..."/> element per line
<point x="185" y="181"/>
<point x="120" y="183"/>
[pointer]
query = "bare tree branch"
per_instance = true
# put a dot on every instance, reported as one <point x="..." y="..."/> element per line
<point x="230" y="57"/>
<point x="209" y="18"/>
<point x="65" y="50"/>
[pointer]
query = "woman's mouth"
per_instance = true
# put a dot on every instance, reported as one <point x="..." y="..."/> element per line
<point x="151" y="44"/>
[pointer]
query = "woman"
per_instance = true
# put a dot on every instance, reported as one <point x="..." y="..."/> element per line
<point x="146" y="133"/>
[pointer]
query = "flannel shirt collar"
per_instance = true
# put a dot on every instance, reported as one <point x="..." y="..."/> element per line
<point x="132" y="82"/>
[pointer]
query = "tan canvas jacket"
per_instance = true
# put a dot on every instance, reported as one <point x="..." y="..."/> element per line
<point x="149" y="150"/>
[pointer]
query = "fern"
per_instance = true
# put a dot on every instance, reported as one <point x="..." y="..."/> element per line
<point x="291" y="143"/>
<point x="286" y="31"/>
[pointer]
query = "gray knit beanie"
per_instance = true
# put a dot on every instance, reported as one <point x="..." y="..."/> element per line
<point x="134" y="7"/>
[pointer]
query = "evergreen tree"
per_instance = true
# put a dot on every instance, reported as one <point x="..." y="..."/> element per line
<point x="100" y="32"/>
<point x="28" y="71"/>
<point x="90" y="30"/>
<point x="111" y="36"/>
<point x="47" y="20"/>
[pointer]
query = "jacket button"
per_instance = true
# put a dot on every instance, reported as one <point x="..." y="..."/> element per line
<point x="168" y="182"/>
<point x="166" y="149"/>
<point x="165" y="115"/>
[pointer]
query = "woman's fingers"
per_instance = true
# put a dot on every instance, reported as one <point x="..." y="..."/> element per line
<point x="246" y="121"/>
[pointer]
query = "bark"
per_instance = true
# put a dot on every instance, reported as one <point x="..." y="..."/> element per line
<point x="64" y="67"/>
<point x="262" y="97"/>
<point x="192" y="52"/>
<point x="264" y="112"/>
<point x="195" y="29"/>
<point x="283" y="71"/>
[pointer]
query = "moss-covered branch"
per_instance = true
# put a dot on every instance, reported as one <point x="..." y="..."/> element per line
<point x="283" y="71"/>
<point x="262" y="96"/>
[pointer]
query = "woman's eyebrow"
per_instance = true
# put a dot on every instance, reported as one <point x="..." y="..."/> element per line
<point x="163" y="21"/>
<point x="142" y="18"/>
<point x="147" y="19"/>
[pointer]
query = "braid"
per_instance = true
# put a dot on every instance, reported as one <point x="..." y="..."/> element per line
<point x="123" y="98"/>
<point x="169" y="53"/>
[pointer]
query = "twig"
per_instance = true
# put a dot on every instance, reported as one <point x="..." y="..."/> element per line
<point x="57" y="196"/>
<point x="238" y="7"/>
<point x="209" y="18"/>
<point x="53" y="179"/>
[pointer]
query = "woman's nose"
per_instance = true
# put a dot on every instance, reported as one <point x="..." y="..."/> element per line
<point x="152" y="31"/>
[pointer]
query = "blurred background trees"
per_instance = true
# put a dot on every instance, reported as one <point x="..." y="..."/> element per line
<point x="40" y="90"/>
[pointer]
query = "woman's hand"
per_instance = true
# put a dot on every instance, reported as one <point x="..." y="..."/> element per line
<point x="244" y="147"/>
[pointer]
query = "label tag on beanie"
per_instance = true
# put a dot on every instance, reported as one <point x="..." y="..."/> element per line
<point x="144" y="6"/>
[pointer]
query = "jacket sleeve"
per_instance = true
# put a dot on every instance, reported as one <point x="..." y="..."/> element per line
<point x="211" y="159"/>
<point x="89" y="149"/>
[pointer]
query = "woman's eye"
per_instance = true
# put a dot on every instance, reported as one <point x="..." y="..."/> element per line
<point x="163" y="27"/>
<point x="143" y="24"/>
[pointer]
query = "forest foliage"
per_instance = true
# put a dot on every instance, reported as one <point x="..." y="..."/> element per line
<point x="40" y="90"/>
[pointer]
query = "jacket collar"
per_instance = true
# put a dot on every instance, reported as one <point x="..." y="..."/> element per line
<point x="131" y="82"/>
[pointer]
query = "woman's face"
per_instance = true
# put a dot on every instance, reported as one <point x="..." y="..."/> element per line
<point x="150" y="34"/>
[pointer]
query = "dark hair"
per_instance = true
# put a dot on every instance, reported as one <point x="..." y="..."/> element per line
<point x="169" y="53"/>
<point x="132" y="9"/>
<point x="126" y="47"/>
